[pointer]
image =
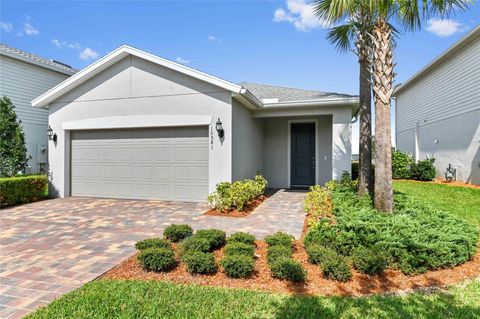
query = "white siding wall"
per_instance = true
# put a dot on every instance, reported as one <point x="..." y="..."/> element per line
<point x="22" y="82"/>
<point x="442" y="110"/>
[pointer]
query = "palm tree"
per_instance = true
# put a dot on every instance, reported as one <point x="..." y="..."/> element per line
<point x="409" y="15"/>
<point x="357" y="31"/>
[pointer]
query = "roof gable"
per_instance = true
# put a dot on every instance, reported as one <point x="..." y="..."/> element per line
<point x="114" y="57"/>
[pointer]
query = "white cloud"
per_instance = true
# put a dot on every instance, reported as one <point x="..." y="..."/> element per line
<point x="58" y="43"/>
<point x="75" y="46"/>
<point x="6" y="26"/>
<point x="183" y="61"/>
<point x="445" y="27"/>
<point x="300" y="14"/>
<point x="88" y="54"/>
<point x="29" y="29"/>
<point x="212" y="38"/>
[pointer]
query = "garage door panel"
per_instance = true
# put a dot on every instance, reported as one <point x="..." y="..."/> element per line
<point x="153" y="163"/>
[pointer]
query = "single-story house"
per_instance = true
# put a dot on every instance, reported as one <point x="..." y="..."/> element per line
<point x="23" y="77"/>
<point x="134" y="125"/>
<point x="438" y="111"/>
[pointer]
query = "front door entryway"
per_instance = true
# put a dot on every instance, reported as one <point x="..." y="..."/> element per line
<point x="302" y="162"/>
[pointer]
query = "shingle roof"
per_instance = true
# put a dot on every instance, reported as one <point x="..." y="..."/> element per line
<point x="284" y="94"/>
<point x="26" y="56"/>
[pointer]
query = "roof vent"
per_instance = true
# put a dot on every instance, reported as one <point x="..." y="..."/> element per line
<point x="271" y="100"/>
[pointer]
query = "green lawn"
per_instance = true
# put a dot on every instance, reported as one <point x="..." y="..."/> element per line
<point x="461" y="201"/>
<point x="137" y="299"/>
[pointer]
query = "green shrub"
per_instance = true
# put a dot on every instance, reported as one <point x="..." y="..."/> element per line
<point x="275" y="253"/>
<point x="241" y="237"/>
<point x="369" y="261"/>
<point x="22" y="189"/>
<point x="216" y="238"/>
<point x="238" y="266"/>
<point x="336" y="267"/>
<point x="402" y="164"/>
<point x="317" y="253"/>
<point x="424" y="170"/>
<point x="157" y="259"/>
<point x="229" y="196"/>
<point x="239" y="249"/>
<point x="153" y="243"/>
<point x="198" y="262"/>
<point x="280" y="238"/>
<point x="194" y="244"/>
<point x="288" y="269"/>
<point x="318" y="204"/>
<point x="416" y="238"/>
<point x="177" y="233"/>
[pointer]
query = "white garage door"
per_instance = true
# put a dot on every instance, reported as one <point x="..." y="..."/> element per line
<point x="151" y="163"/>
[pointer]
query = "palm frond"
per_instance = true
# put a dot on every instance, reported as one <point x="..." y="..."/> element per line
<point x="342" y="36"/>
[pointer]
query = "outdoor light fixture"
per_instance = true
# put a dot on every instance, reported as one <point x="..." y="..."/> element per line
<point x="51" y="136"/>
<point x="219" y="128"/>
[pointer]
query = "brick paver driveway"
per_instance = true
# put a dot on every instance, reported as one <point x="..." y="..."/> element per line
<point x="51" y="247"/>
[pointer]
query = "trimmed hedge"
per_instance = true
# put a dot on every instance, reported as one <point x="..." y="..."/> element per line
<point x="216" y="238"/>
<point x="336" y="267"/>
<point x="281" y="239"/>
<point x="153" y="243"/>
<point x="402" y="164"/>
<point x="369" y="261"/>
<point x="229" y="196"/>
<point x="239" y="249"/>
<point x="241" y="237"/>
<point x="177" y="232"/>
<point x="157" y="259"/>
<point x="194" y="244"/>
<point x="198" y="262"/>
<point x="22" y="189"/>
<point x="275" y="253"/>
<point x="288" y="269"/>
<point x="238" y="265"/>
<point x="424" y="170"/>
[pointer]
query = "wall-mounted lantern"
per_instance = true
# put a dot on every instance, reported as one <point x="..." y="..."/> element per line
<point x="219" y="128"/>
<point x="51" y="136"/>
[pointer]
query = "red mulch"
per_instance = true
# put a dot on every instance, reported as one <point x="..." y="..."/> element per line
<point x="247" y="209"/>
<point x="391" y="281"/>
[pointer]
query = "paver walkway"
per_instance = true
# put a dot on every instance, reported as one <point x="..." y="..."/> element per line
<point x="51" y="247"/>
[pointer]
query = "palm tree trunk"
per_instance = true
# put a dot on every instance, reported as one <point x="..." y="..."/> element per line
<point x="365" y="184"/>
<point x="383" y="87"/>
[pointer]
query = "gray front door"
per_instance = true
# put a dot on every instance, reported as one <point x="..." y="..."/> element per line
<point x="302" y="154"/>
<point x="145" y="163"/>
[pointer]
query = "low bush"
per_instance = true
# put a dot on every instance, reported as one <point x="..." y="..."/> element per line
<point x="317" y="253"/>
<point x="215" y="237"/>
<point x="275" y="253"/>
<point x="194" y="244"/>
<point x="241" y="237"/>
<point x="238" y="266"/>
<point x="157" y="259"/>
<point x="153" y="243"/>
<point x="402" y="164"/>
<point x="369" y="261"/>
<point x="336" y="267"/>
<point x="280" y="238"/>
<point x="235" y="195"/>
<point x="318" y="204"/>
<point x="239" y="249"/>
<point x="198" y="262"/>
<point x="288" y="269"/>
<point x="424" y="170"/>
<point x="22" y="189"/>
<point x="414" y="239"/>
<point x="177" y="232"/>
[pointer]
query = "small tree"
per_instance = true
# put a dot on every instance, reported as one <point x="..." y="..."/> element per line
<point x="13" y="152"/>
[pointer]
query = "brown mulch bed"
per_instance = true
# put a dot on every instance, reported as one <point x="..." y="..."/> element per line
<point x="392" y="281"/>
<point x="247" y="209"/>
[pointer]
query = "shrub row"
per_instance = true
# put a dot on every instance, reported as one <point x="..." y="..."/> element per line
<point x="22" y="189"/>
<point x="235" y="195"/>
<point x="280" y="258"/>
<point x="414" y="239"/>
<point x="404" y="167"/>
<point x="239" y="252"/>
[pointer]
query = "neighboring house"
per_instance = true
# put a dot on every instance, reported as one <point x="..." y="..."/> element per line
<point x="438" y="111"/>
<point x="23" y="77"/>
<point x="134" y="125"/>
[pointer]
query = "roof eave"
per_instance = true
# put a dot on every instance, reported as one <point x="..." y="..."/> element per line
<point x="37" y="63"/>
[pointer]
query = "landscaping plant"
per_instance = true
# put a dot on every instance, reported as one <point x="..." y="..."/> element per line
<point x="199" y="262"/>
<point x="402" y="164"/>
<point x="424" y="170"/>
<point x="318" y="204"/>
<point x="241" y="237"/>
<point x="216" y="238"/>
<point x="194" y="244"/>
<point x="177" y="232"/>
<point x="239" y="249"/>
<point x="369" y="261"/>
<point x="22" y="189"/>
<point x="157" y="259"/>
<point x="280" y="238"/>
<point x="238" y="265"/>
<point x="153" y="243"/>
<point x="287" y="268"/>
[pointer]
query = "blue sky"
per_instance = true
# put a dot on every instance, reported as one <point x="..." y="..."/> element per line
<point x="272" y="42"/>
